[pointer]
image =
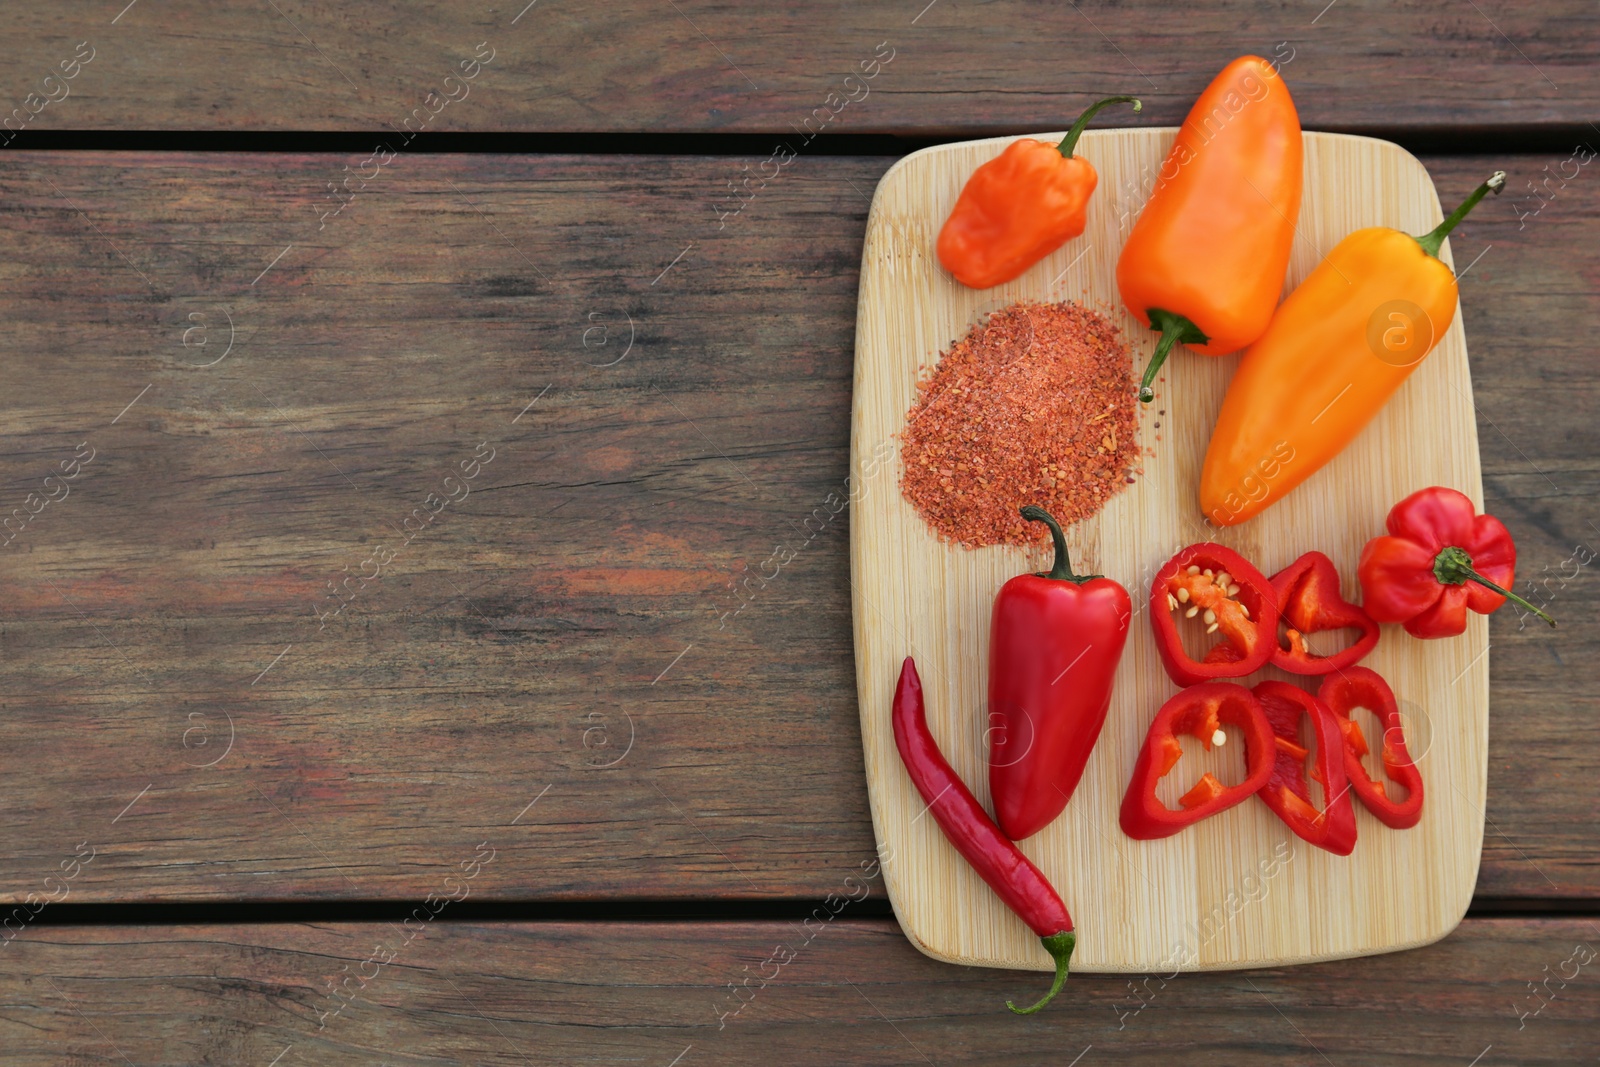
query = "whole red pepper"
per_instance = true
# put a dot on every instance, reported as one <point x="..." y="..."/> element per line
<point x="1054" y="643"/>
<point x="1237" y="600"/>
<point x="968" y="827"/>
<point x="1308" y="597"/>
<point x="1359" y="687"/>
<point x="1199" y="710"/>
<point x="1440" y="558"/>
<point x="1286" y="791"/>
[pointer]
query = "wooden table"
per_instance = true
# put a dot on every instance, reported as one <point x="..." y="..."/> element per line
<point x="521" y="409"/>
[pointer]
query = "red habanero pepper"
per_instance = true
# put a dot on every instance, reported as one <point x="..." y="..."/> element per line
<point x="1044" y="722"/>
<point x="1286" y="791"/>
<point x="1019" y="207"/>
<point x="1237" y="600"/>
<point x="1358" y="687"/>
<point x="1420" y="573"/>
<point x="968" y="827"/>
<point x="1199" y="710"/>
<point x="1308" y="597"/>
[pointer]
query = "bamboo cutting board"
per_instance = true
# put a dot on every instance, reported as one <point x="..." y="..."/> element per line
<point x="1238" y="889"/>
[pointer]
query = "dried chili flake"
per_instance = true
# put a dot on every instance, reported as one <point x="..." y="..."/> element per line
<point x="1035" y="405"/>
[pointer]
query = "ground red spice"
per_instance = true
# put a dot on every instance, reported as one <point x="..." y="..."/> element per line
<point x="1035" y="405"/>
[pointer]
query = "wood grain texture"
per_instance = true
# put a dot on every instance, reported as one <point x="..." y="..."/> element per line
<point x="375" y="354"/>
<point x="960" y="69"/>
<point x="856" y="994"/>
<point x="1139" y="904"/>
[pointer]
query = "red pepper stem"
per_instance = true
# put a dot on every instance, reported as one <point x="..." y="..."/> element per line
<point x="1060" y="947"/>
<point x="1174" y="328"/>
<point x="1431" y="240"/>
<point x="1452" y="566"/>
<point x="1070" y="141"/>
<point x="1062" y="570"/>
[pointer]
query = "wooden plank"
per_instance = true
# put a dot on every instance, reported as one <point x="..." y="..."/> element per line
<point x="676" y="993"/>
<point x="584" y="579"/>
<point x="917" y="596"/>
<point x="957" y="68"/>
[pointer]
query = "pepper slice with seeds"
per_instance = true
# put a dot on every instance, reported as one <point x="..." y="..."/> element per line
<point x="1238" y="604"/>
<point x="1200" y="711"/>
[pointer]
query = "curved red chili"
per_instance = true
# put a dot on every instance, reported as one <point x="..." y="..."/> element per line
<point x="1286" y="791"/>
<point x="1359" y="687"/>
<point x="1309" y="601"/>
<point x="968" y="827"/>
<point x="1237" y="600"/>
<point x="1199" y="710"/>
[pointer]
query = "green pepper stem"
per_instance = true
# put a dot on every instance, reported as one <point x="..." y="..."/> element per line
<point x="1070" y="141"/>
<point x="1431" y="240"/>
<point x="1452" y="566"/>
<point x="1060" y="948"/>
<point x="1174" y="328"/>
<point x="1062" y="569"/>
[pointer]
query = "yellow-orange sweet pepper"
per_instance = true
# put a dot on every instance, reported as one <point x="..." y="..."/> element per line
<point x="1334" y="353"/>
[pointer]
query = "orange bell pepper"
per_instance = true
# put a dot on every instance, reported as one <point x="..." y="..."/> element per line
<point x="1206" y="258"/>
<point x="1337" y="349"/>
<point x="1019" y="207"/>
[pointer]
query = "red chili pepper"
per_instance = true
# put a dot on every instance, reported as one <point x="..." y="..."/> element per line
<point x="1359" y="687"/>
<point x="1199" y="710"/>
<point x="1286" y="791"/>
<point x="1237" y="600"/>
<point x="1307" y="592"/>
<point x="968" y="827"/>
<point x="1044" y="720"/>
<point x="1437" y="544"/>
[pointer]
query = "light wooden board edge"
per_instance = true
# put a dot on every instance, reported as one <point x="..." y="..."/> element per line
<point x="980" y="931"/>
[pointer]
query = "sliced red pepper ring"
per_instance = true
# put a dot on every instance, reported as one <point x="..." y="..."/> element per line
<point x="1286" y="792"/>
<point x="1238" y="603"/>
<point x="1309" y="602"/>
<point x="1358" y="687"/>
<point x="1200" y="710"/>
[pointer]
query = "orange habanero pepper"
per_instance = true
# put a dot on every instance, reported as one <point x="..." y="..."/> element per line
<point x="1206" y="259"/>
<point x="1019" y="207"/>
<point x="1337" y="349"/>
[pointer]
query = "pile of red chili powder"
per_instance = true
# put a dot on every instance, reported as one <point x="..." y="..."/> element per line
<point x="1035" y="405"/>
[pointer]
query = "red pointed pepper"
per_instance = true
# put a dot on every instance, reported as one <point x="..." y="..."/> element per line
<point x="1286" y="791"/>
<point x="1237" y="600"/>
<point x="968" y="827"/>
<point x="1200" y="710"/>
<point x="1054" y="643"/>
<point x="1441" y="557"/>
<point x="1358" y="687"/>
<point x="1308" y="597"/>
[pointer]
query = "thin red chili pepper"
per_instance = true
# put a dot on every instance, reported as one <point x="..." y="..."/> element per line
<point x="968" y="827"/>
